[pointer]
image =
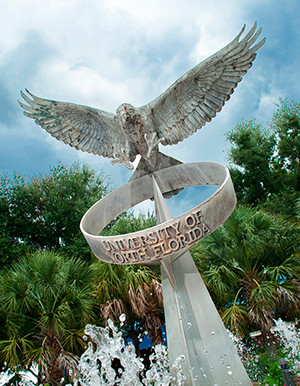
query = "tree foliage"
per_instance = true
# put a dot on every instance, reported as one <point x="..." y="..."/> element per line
<point x="286" y="125"/>
<point x="131" y="289"/>
<point x="251" y="267"/>
<point x="252" y="151"/>
<point x="45" y="211"/>
<point x="250" y="264"/>
<point x="265" y="163"/>
<point x="45" y="303"/>
<point x="129" y="222"/>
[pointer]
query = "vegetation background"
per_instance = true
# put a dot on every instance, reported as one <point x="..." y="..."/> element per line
<point x="51" y="285"/>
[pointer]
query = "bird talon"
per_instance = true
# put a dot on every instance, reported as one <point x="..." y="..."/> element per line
<point x="123" y="160"/>
<point x="152" y="142"/>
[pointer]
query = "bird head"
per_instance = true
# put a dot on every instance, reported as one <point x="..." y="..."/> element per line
<point x="126" y="112"/>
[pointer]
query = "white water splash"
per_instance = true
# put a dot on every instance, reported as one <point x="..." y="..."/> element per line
<point x="109" y="361"/>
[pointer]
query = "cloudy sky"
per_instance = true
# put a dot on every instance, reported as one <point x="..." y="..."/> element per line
<point x="105" y="52"/>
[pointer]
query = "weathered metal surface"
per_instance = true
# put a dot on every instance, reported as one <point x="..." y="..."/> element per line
<point x="174" y="235"/>
<point x="193" y="324"/>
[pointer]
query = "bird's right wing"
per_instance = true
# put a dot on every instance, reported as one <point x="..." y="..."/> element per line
<point x="85" y="128"/>
<point x="196" y="97"/>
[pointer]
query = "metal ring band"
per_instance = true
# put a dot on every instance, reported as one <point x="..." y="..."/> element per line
<point x="179" y="234"/>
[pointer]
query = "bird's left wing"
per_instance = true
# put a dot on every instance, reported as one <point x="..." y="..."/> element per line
<point x="85" y="128"/>
<point x="197" y="96"/>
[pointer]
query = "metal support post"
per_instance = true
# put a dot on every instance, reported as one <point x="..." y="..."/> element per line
<point x="194" y="327"/>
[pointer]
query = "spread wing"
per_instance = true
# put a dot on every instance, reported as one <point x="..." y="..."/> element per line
<point x="197" y="96"/>
<point x="85" y="128"/>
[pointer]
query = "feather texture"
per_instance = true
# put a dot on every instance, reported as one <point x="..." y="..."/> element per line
<point x="85" y="128"/>
<point x="203" y="90"/>
<point x="186" y="106"/>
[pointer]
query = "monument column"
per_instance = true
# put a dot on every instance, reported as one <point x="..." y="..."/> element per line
<point x="194" y="327"/>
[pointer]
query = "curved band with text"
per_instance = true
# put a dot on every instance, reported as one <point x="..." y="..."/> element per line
<point x="179" y="234"/>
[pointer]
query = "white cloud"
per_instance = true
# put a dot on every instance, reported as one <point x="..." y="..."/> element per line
<point x="82" y="85"/>
<point x="103" y="53"/>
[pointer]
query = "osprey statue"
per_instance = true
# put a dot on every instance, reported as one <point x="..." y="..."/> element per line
<point x="183" y="108"/>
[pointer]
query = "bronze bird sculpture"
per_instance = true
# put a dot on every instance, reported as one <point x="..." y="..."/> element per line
<point x="186" y="106"/>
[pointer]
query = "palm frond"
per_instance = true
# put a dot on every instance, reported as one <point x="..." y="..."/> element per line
<point x="235" y="317"/>
<point x="41" y="356"/>
<point x="262" y="303"/>
<point x="12" y="350"/>
<point x="220" y="281"/>
<point x="137" y="301"/>
<point x="112" y="309"/>
<point x="157" y="292"/>
<point x="73" y="341"/>
<point x="68" y="362"/>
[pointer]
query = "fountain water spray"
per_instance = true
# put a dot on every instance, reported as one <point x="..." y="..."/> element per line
<point x="109" y="360"/>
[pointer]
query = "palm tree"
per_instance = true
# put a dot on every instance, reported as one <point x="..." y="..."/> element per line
<point x="251" y="268"/>
<point x="131" y="290"/>
<point x="134" y="290"/>
<point x="46" y="301"/>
